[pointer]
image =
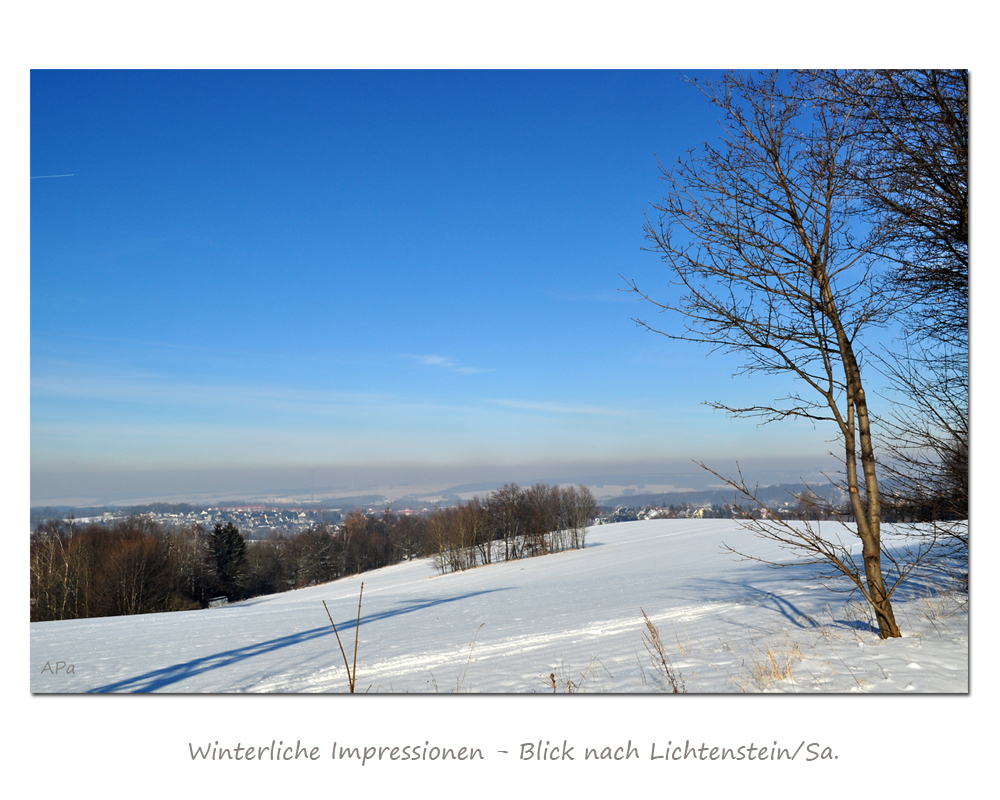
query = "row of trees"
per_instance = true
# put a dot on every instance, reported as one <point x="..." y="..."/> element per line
<point x="512" y="523"/>
<point x="132" y="567"/>
<point x="323" y="553"/>
<point x="831" y="215"/>
<point x="137" y="567"/>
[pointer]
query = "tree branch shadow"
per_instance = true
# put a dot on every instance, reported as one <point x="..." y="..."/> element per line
<point x="157" y="679"/>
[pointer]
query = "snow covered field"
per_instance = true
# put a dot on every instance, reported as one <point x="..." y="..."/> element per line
<point x="727" y="626"/>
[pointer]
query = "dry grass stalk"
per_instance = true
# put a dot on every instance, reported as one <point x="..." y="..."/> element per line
<point x="681" y="648"/>
<point x="472" y="644"/>
<point x="778" y="665"/>
<point x="351" y="674"/>
<point x="658" y="657"/>
<point x="770" y="667"/>
<point x="575" y="686"/>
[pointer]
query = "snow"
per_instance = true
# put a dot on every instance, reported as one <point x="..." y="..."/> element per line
<point x="575" y="618"/>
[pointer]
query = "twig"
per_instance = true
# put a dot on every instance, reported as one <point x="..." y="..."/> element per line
<point x="472" y="644"/>
<point x="658" y="656"/>
<point x="350" y="675"/>
<point x="357" y="630"/>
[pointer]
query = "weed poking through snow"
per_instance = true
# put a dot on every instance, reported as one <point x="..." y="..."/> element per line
<point x="658" y="657"/>
<point x="351" y="675"/>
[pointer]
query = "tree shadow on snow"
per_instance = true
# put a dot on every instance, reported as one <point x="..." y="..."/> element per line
<point x="167" y="676"/>
<point x="745" y="593"/>
<point x="940" y="569"/>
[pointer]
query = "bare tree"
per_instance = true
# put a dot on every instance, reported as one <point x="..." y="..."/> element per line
<point x="506" y="509"/>
<point x="913" y="126"/>
<point x="579" y="510"/>
<point x="477" y="510"/>
<point x="761" y="236"/>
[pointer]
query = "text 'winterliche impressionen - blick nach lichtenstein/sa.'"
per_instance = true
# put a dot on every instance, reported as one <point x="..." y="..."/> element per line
<point x="277" y="750"/>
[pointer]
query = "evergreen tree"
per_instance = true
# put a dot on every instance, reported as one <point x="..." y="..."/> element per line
<point x="229" y="552"/>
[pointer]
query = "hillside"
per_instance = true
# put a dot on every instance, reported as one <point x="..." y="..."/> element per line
<point x="511" y="627"/>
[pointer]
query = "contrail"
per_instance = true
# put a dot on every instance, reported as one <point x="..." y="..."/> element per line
<point x="52" y="176"/>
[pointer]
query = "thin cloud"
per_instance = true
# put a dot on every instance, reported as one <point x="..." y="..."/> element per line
<point x="618" y="296"/>
<point x="444" y="362"/>
<point x="154" y="389"/>
<point x="558" y="408"/>
<point x="432" y="361"/>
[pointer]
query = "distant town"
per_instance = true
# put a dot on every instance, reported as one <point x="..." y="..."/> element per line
<point x="263" y="521"/>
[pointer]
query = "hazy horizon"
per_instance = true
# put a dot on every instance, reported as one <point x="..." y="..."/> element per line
<point x="73" y="488"/>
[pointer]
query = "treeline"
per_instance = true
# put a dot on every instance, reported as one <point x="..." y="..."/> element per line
<point x="41" y="514"/>
<point x="512" y="523"/>
<point x="137" y="566"/>
<point x="131" y="567"/>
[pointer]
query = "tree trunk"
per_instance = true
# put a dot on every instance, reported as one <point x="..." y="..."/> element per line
<point x="857" y="425"/>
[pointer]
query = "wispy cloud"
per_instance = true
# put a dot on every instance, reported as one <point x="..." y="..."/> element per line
<point x="558" y="408"/>
<point x="617" y="296"/>
<point x="55" y="341"/>
<point x="150" y="389"/>
<point x="431" y="361"/>
<point x="442" y="362"/>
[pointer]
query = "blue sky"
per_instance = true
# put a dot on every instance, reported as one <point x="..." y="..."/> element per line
<point x="388" y="274"/>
